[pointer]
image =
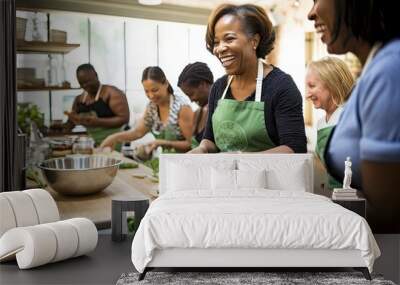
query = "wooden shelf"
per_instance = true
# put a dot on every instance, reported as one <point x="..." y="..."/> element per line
<point x="44" y="47"/>
<point x="55" y="88"/>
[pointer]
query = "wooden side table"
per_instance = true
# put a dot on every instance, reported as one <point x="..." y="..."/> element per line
<point x="119" y="207"/>
<point x="356" y="205"/>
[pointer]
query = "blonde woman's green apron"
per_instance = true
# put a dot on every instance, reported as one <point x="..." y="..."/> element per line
<point x="323" y="135"/>
<point x="240" y="125"/>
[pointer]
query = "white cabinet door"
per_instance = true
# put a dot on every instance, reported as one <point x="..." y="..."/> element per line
<point x="199" y="52"/>
<point x="77" y="28"/>
<point x="173" y="49"/>
<point x="141" y="50"/>
<point x="107" y="49"/>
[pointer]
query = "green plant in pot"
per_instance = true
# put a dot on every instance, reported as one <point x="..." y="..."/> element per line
<point x="28" y="113"/>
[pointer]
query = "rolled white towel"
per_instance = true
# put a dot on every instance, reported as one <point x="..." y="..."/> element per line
<point x="23" y="208"/>
<point x="46" y="207"/>
<point x="7" y="218"/>
<point x="66" y="238"/>
<point x="40" y="244"/>
<point x="33" y="246"/>
<point x="87" y="235"/>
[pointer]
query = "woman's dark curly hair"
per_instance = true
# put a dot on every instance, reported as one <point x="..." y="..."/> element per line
<point x="254" y="21"/>
<point x="195" y="73"/>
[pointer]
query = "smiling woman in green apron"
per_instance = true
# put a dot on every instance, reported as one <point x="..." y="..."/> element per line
<point x="256" y="107"/>
<point x="168" y="116"/>
<point x="102" y="109"/>
<point x="328" y="85"/>
<point x="195" y="81"/>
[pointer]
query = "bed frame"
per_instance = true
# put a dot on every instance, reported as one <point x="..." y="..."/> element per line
<point x="242" y="259"/>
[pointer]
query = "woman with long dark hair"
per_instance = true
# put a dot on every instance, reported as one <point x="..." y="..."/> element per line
<point x="168" y="116"/>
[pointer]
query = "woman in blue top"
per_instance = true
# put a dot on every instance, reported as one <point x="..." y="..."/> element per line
<point x="369" y="128"/>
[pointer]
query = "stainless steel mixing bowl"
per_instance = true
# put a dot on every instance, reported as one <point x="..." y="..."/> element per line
<point x="80" y="175"/>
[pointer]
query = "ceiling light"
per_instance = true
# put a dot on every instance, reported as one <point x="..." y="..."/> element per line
<point x="150" y="2"/>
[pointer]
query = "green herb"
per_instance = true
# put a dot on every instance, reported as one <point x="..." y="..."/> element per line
<point x="154" y="165"/>
<point x="128" y="165"/>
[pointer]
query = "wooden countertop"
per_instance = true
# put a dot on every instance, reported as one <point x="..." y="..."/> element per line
<point x="97" y="207"/>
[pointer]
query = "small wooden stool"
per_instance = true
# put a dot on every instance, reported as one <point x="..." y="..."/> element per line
<point x="119" y="207"/>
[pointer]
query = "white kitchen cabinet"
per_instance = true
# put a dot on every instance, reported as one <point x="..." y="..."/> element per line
<point x="77" y="28"/>
<point x="199" y="52"/>
<point x="107" y="49"/>
<point x="173" y="49"/>
<point x="141" y="50"/>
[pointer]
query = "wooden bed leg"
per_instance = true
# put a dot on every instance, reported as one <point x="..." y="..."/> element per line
<point x="142" y="275"/>
<point x="364" y="271"/>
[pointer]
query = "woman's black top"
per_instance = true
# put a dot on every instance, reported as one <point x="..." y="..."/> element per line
<point x="100" y="107"/>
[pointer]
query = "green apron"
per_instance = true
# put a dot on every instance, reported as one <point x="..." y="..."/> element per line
<point x="168" y="133"/>
<point x="99" y="134"/>
<point x="240" y="125"/>
<point x="194" y="142"/>
<point x="323" y="135"/>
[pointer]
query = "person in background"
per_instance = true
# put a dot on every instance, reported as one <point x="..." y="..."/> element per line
<point x="368" y="130"/>
<point x="168" y="116"/>
<point x="102" y="109"/>
<point x="245" y="114"/>
<point x="328" y="85"/>
<point x="195" y="81"/>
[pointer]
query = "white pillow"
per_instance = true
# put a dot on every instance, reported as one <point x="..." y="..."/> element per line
<point x="293" y="180"/>
<point x="280" y="174"/>
<point x="223" y="179"/>
<point x="251" y="179"/>
<point x="185" y="175"/>
<point x="182" y="177"/>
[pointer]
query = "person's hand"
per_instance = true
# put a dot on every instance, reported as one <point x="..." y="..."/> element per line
<point x="198" y="150"/>
<point x="73" y="117"/>
<point x="89" y="121"/>
<point x="108" y="142"/>
<point x="152" y="146"/>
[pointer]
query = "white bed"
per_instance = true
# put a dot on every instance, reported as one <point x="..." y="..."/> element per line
<point x="247" y="210"/>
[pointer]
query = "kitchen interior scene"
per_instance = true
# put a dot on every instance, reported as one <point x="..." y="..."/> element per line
<point x="52" y="43"/>
<point x="120" y="39"/>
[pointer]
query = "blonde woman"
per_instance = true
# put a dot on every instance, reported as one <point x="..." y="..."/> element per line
<point x="328" y="85"/>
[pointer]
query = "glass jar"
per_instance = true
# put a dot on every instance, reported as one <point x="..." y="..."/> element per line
<point x="84" y="145"/>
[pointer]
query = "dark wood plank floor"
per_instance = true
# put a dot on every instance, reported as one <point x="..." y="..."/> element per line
<point x="102" y="266"/>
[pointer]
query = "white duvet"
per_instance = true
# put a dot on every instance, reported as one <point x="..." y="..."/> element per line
<point x="250" y="219"/>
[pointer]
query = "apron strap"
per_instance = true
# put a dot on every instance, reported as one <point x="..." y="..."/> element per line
<point x="227" y="86"/>
<point x="85" y="94"/>
<point x="260" y="77"/>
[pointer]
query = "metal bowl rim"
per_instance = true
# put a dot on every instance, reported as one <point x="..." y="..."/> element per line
<point x="117" y="163"/>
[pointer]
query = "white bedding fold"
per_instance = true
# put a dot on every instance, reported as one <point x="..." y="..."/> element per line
<point x="250" y="219"/>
